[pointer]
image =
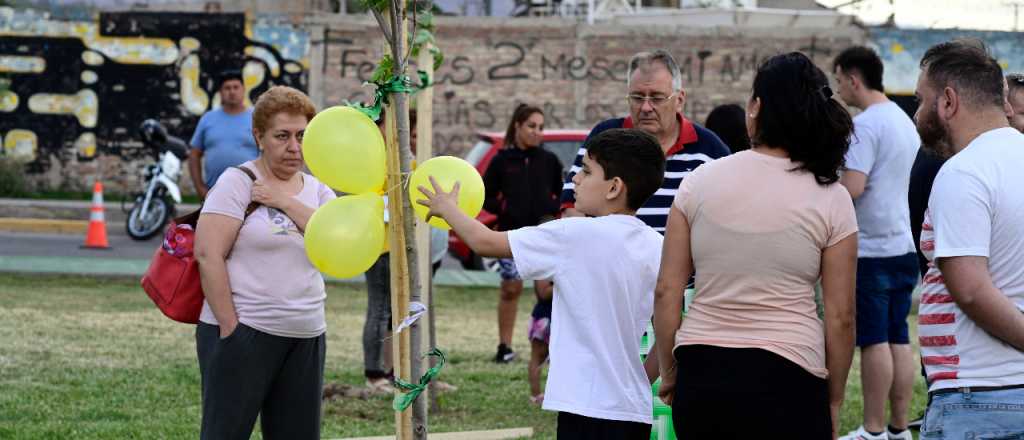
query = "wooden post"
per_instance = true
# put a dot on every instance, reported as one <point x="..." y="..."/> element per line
<point x="399" y="269"/>
<point x="424" y="150"/>
<point x="405" y="280"/>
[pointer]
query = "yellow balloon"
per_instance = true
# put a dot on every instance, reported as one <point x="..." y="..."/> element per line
<point x="344" y="237"/>
<point x="344" y="149"/>
<point x="446" y="170"/>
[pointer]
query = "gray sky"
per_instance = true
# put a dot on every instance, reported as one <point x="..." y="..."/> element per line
<point x="941" y="14"/>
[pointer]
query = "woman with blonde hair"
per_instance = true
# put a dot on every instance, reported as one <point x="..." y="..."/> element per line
<point x="261" y="336"/>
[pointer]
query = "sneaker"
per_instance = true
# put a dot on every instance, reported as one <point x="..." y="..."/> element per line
<point x="916" y="423"/>
<point x="444" y="387"/>
<point x="504" y="355"/>
<point x="862" y="434"/>
<point x="902" y="435"/>
<point x="380" y="386"/>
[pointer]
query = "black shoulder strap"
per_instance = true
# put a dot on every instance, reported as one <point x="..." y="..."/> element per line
<point x="252" y="205"/>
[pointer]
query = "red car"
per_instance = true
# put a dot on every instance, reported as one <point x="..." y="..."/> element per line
<point x="564" y="143"/>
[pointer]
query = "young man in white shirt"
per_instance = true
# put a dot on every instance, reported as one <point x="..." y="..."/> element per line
<point x="971" y="325"/>
<point x="604" y="267"/>
<point x="877" y="175"/>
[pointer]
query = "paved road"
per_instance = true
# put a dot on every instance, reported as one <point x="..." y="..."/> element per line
<point x="68" y="245"/>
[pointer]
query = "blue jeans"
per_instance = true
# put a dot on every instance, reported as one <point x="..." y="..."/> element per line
<point x="970" y="415"/>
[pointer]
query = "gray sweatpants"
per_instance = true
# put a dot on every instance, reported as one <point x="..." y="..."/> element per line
<point x="252" y="373"/>
<point x="378" y="316"/>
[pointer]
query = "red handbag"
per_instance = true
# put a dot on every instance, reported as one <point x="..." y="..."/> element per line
<point x="172" y="279"/>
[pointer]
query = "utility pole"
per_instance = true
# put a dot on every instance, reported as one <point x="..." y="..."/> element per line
<point x="1016" y="9"/>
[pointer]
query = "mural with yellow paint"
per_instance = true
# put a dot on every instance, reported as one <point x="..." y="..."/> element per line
<point x="80" y="89"/>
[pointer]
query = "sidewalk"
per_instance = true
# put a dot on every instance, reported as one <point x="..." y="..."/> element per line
<point x="134" y="267"/>
<point x="66" y="222"/>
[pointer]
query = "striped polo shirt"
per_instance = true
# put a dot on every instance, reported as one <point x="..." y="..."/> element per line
<point x="694" y="147"/>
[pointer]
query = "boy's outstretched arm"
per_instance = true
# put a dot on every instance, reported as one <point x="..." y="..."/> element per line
<point x="482" y="240"/>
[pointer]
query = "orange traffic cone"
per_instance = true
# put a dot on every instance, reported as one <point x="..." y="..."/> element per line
<point x="96" y="238"/>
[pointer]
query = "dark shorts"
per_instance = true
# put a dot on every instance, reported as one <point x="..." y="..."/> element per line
<point x="884" y="287"/>
<point x="576" y="427"/>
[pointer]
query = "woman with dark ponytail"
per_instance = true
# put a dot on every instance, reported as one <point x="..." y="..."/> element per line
<point x="753" y="348"/>
<point x="523" y="184"/>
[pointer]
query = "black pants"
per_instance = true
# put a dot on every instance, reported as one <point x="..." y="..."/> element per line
<point x="744" y="393"/>
<point x="252" y="373"/>
<point x="573" y="426"/>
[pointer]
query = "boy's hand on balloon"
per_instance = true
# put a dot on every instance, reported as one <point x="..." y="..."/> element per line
<point x="441" y="203"/>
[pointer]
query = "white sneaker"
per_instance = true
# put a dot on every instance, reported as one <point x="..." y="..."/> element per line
<point x="861" y="434"/>
<point x="902" y="435"/>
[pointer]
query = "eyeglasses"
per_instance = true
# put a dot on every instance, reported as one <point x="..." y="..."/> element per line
<point x="638" y="100"/>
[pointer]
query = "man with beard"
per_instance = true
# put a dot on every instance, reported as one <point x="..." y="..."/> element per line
<point x="971" y="325"/>
<point x="877" y="175"/>
<point x="1015" y="99"/>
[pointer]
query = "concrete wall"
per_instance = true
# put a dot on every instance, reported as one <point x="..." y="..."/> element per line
<point x="575" y="72"/>
<point x="79" y="89"/>
<point x="901" y="51"/>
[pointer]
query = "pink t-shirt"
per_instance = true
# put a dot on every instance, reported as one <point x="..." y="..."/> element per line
<point x="273" y="285"/>
<point x="758" y="230"/>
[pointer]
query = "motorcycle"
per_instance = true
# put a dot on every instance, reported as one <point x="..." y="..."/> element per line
<point x="153" y="208"/>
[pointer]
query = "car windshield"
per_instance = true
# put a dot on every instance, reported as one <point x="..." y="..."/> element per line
<point x="566" y="152"/>
<point x="477" y="152"/>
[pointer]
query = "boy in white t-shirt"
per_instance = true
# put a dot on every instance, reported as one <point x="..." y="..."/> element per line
<point x="604" y="267"/>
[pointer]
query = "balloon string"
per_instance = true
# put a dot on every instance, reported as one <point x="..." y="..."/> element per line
<point x="403" y="182"/>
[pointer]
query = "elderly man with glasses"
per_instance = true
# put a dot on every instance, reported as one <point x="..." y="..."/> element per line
<point x="655" y="96"/>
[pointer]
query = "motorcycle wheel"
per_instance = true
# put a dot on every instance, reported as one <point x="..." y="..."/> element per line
<point x="143" y="226"/>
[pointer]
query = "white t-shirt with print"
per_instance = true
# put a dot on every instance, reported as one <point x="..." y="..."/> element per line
<point x="883" y="147"/>
<point x="604" y="270"/>
<point x="976" y="208"/>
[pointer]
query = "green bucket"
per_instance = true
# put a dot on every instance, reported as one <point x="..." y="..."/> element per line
<point x="662" y="428"/>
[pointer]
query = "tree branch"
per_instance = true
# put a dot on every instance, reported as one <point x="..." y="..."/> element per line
<point x="383" y="25"/>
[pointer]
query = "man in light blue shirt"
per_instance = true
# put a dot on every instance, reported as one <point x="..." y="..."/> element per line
<point x="223" y="137"/>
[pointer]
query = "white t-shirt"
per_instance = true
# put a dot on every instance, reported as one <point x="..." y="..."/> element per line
<point x="604" y="269"/>
<point x="883" y="147"/>
<point x="976" y="209"/>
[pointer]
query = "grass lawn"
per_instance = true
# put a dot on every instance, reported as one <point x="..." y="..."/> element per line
<point x="93" y="358"/>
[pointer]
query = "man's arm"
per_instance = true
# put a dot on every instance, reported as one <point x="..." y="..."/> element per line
<point x="970" y="284"/>
<point x="854" y="181"/>
<point x="195" y="169"/>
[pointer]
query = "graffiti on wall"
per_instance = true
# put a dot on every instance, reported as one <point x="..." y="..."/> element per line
<point x="79" y="89"/>
<point x="576" y="82"/>
<point x="901" y="51"/>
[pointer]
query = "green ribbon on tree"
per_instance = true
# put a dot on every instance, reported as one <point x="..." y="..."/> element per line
<point x="396" y="84"/>
<point x="412" y="391"/>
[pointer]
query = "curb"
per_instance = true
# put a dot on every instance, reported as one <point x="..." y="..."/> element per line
<point x="43" y="226"/>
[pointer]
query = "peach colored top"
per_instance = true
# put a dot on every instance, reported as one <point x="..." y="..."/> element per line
<point x="758" y="230"/>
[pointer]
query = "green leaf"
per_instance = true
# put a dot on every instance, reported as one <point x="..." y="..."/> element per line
<point x="376" y="5"/>
<point x="438" y="57"/>
<point x="384" y="70"/>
